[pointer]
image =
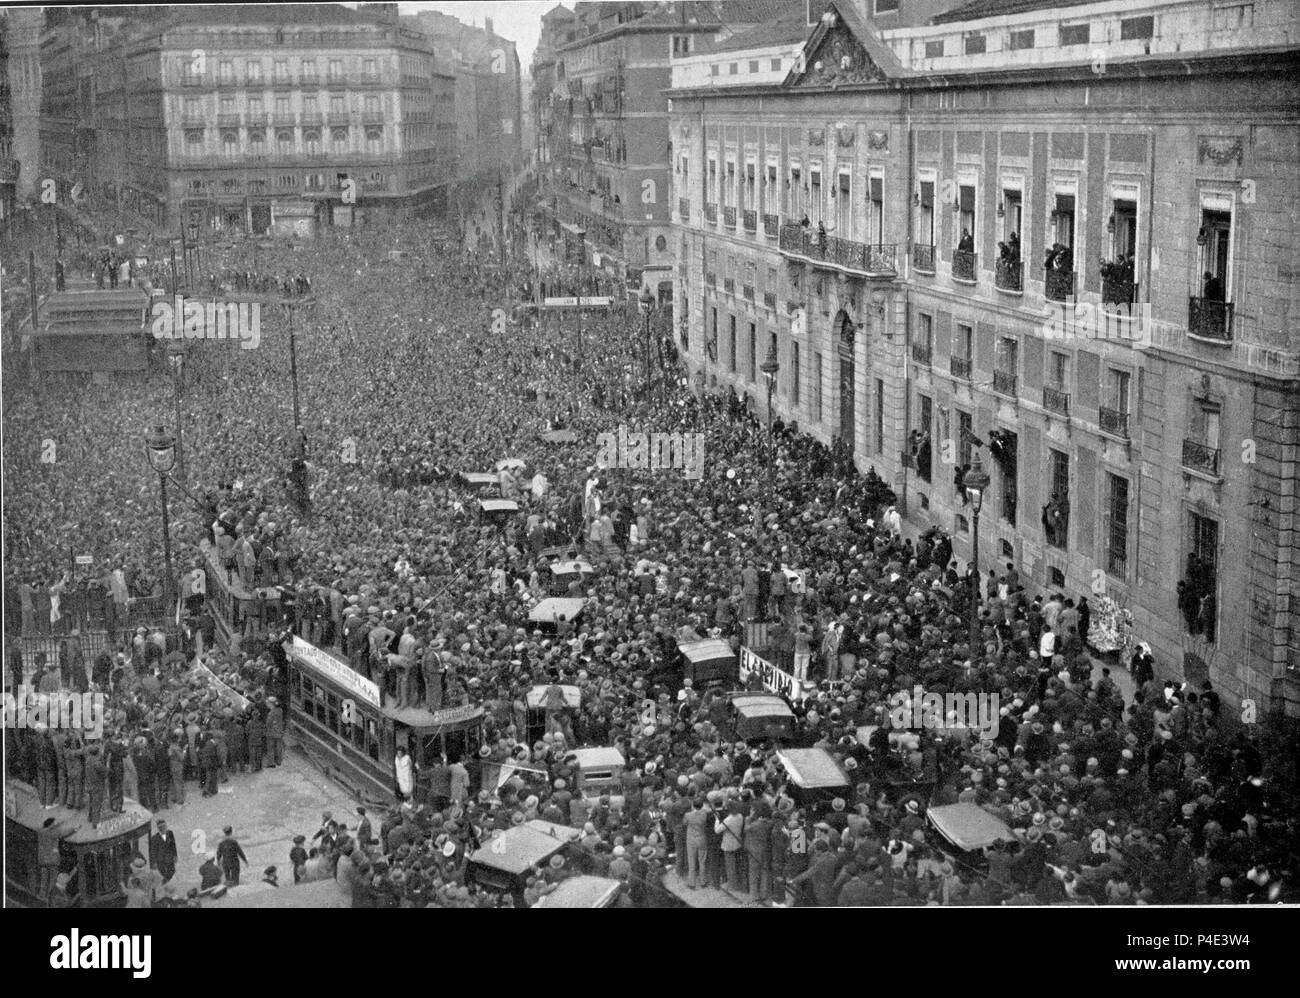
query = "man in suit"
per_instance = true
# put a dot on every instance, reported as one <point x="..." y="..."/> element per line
<point x="274" y="733"/>
<point x="176" y="771"/>
<point x="96" y="783"/>
<point x="255" y="730"/>
<point x="363" y="828"/>
<point x="229" y="856"/>
<point x="162" y="851"/>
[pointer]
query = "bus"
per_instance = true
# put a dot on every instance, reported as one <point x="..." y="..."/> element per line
<point x="345" y="727"/>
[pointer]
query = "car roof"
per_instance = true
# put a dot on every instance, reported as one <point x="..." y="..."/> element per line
<point x="812" y="768"/>
<point x="706" y="650"/>
<point x="598" y="758"/>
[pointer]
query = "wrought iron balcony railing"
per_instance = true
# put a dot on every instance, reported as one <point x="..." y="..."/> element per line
<point x="1007" y="274"/>
<point x="877" y="260"/>
<point x="1056" y="400"/>
<point x="923" y="258"/>
<point x="710" y="212"/>
<point x="1113" y="421"/>
<point x="921" y="353"/>
<point x="749" y="219"/>
<point x="1004" y="383"/>
<point x="769" y="299"/>
<point x="771" y="224"/>
<point x="1060" y="284"/>
<point x="747" y="292"/>
<point x="960" y="367"/>
<point x="1210" y="319"/>
<point x="963" y="266"/>
<point x="1200" y="457"/>
<point x="729" y="216"/>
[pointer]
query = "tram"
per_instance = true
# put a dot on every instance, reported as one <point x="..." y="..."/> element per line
<point x="344" y="726"/>
<point x="97" y="859"/>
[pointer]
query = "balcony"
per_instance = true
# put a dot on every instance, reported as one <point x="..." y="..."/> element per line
<point x="1210" y="319"/>
<point x="729" y="285"/>
<point x="285" y="120"/>
<point x="1198" y="457"/>
<point x="1060" y="284"/>
<point x="769" y="299"/>
<point x="749" y="219"/>
<point x="710" y="212"/>
<point x="372" y="117"/>
<point x="959" y="367"/>
<point x="1113" y="421"/>
<point x="312" y="119"/>
<point x="231" y="82"/>
<point x="771" y="225"/>
<point x="923" y="258"/>
<point x="963" y="266"/>
<point x="1115" y="291"/>
<point x="1007" y="275"/>
<point x="921" y="353"/>
<point x="684" y="209"/>
<point x="747" y="292"/>
<point x="1004" y="383"/>
<point x="227" y="121"/>
<point x="845" y="255"/>
<point x="728" y="217"/>
<point x="1055" y="400"/>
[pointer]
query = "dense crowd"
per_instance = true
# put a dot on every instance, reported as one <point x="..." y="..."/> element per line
<point x="404" y="382"/>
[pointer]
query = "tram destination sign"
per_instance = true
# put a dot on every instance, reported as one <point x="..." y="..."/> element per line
<point x="331" y="668"/>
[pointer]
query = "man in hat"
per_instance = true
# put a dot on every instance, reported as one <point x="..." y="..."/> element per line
<point x="162" y="851"/>
<point x="274" y="732"/>
<point x="229" y="855"/>
<point x="298" y="857"/>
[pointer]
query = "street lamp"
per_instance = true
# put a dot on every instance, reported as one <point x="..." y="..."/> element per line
<point x="976" y="481"/>
<point x="160" y="447"/>
<point x="176" y="359"/>
<point x="770" y="367"/>
<point x="647" y="305"/>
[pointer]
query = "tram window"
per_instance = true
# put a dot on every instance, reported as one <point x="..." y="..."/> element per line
<point x="357" y="734"/>
<point x="333" y="706"/>
<point x="372" y="740"/>
<point x="320" y="704"/>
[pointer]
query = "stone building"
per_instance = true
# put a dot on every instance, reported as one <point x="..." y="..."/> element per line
<point x="1058" y="238"/>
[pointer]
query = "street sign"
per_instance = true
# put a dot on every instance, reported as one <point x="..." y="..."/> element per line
<point x="85" y="559"/>
<point x="595" y="302"/>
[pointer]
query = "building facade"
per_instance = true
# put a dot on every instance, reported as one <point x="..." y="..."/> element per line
<point x="1055" y="239"/>
<point x="604" y="126"/>
<point x="23" y="59"/>
<point x="247" y="118"/>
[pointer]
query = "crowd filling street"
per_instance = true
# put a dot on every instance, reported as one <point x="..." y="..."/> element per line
<point x="1148" y="792"/>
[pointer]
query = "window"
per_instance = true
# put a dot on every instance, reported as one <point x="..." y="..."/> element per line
<point x="1008" y="465"/>
<point x="1117" y="526"/>
<point x="192" y="109"/>
<point x="794" y="193"/>
<point x="963" y="438"/>
<point x="776" y="65"/>
<point x="681" y="45"/>
<point x="281" y="70"/>
<point x="876" y="218"/>
<point x="1008" y="355"/>
<point x="817" y="387"/>
<point x="769" y="190"/>
<point x="1117" y="391"/>
<point x="194" y="136"/>
<point x="1076" y="34"/>
<point x="731" y="343"/>
<point x="309" y="71"/>
<point x="711" y="181"/>
<point x="753" y="351"/>
<point x="337" y="106"/>
<point x="925" y="226"/>
<point x="229" y="143"/>
<point x="966" y="217"/>
<point x="282" y="108"/>
<point x="372" y="104"/>
<point x="934" y="50"/>
<point x="1137" y="27"/>
<point x="887" y="6"/>
<point x="227" y="107"/>
<point x="370" y="68"/>
<point x="733" y="69"/>
<point x="226" y="70"/>
<point x="339" y="139"/>
<point x="925" y="334"/>
<point x="310" y="106"/>
<point x="922" y="443"/>
<point x="1058" y="375"/>
<point x="749" y="185"/>
<point x="1205" y="424"/>
<point x="713" y="70"/>
<point x="1198" y="595"/>
<point x="975" y="44"/>
<point x="880" y="416"/>
<point x="257" y="141"/>
<point x="794" y="373"/>
<point x="253" y="72"/>
<point x="815" y="194"/>
<point x="1012" y="219"/>
<point x="1216" y="226"/>
<point x="965" y="344"/>
<point x="844" y="206"/>
<point x="1056" y="522"/>
<point x="753" y="65"/>
<point x="729" y="185"/>
<point x="1063" y="222"/>
<point x="336" y="69"/>
<point x="1022" y="39"/>
<point x="254" y="108"/>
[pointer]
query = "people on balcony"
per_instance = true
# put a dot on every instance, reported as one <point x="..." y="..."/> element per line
<point x="1213" y="288"/>
<point x="967" y="242"/>
<point x="1009" y="251"/>
<point x="1060" y="258"/>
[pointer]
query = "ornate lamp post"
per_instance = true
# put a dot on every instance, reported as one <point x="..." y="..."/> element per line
<point x="160" y="447"/>
<point x="976" y="482"/>
<point x="647" y="305"/>
<point x="176" y="359"/>
<point x="770" y="367"/>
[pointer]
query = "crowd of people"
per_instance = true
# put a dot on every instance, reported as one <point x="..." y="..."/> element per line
<point x="1158" y="799"/>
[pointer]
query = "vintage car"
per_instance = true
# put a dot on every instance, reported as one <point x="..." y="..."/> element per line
<point x="505" y="863"/>
<point x="710" y="660"/>
<point x="583" y="891"/>
<point x="813" y="778"/>
<point x="760" y="717"/>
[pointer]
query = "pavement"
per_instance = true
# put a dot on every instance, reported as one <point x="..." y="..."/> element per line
<point x="265" y="810"/>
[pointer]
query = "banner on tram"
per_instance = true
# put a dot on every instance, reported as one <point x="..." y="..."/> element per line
<point x="600" y="301"/>
<point x="335" y="670"/>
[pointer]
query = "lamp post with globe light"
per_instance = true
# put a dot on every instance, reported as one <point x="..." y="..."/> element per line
<point x="770" y="367"/>
<point x="160" y="447"/>
<point x="647" y="305"/>
<point x="976" y="483"/>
